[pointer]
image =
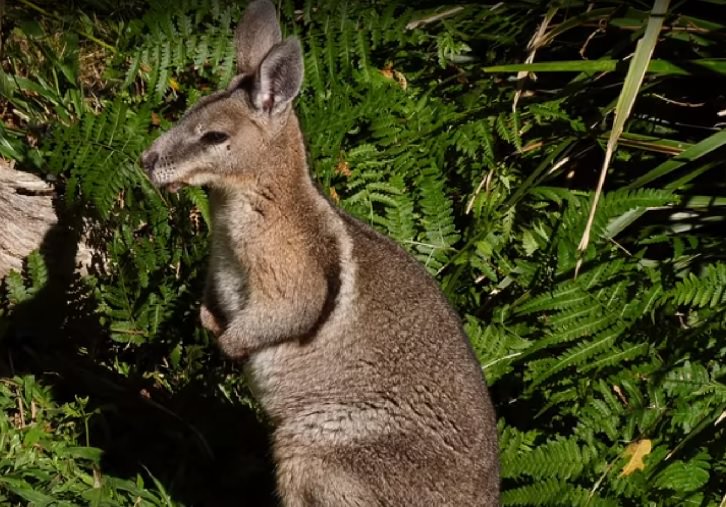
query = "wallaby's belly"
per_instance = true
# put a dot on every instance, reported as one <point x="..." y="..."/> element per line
<point x="403" y="444"/>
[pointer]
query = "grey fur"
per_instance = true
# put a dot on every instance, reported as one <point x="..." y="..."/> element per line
<point x="352" y="350"/>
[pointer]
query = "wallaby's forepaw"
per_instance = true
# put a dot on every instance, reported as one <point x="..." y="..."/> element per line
<point x="209" y="321"/>
<point x="226" y="338"/>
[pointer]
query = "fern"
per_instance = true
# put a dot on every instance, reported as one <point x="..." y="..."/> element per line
<point x="683" y="477"/>
<point x="177" y="39"/>
<point x="99" y="154"/>
<point x="561" y="458"/>
<point x="553" y="492"/>
<point x="440" y="234"/>
<point x="707" y="290"/>
<point x="22" y="288"/>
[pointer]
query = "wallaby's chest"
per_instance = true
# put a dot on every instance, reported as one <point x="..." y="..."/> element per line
<point x="227" y="278"/>
<point x="228" y="273"/>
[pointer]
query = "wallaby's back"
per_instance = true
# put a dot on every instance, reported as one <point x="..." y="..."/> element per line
<point x="353" y="351"/>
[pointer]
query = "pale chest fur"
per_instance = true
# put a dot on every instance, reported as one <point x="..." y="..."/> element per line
<point x="228" y="274"/>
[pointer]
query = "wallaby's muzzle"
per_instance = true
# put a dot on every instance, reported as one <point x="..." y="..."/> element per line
<point x="148" y="161"/>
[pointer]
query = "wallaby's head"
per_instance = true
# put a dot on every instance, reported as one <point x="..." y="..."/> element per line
<point x="229" y="134"/>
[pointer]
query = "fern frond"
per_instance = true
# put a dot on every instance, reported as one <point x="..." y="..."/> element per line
<point x="562" y="458"/>
<point x="179" y="39"/>
<point x="440" y="235"/>
<point x="581" y="352"/>
<point x="554" y="492"/>
<point x="707" y="290"/>
<point x="100" y="154"/>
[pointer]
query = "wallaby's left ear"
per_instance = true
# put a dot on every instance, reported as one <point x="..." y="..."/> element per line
<point x="257" y="32"/>
<point x="279" y="77"/>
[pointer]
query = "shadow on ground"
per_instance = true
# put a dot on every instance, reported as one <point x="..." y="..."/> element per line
<point x="205" y="451"/>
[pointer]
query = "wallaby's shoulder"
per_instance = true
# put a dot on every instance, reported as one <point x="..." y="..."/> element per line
<point x="387" y="271"/>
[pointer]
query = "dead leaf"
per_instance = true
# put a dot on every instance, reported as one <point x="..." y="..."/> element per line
<point x="390" y="73"/>
<point x="343" y="168"/>
<point x="155" y="119"/>
<point x="637" y="451"/>
<point x="720" y="418"/>
<point x="334" y="195"/>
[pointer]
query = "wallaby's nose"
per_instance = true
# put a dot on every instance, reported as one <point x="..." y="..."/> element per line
<point x="149" y="160"/>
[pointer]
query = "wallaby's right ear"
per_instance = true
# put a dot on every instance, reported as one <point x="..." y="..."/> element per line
<point x="279" y="77"/>
<point x="257" y="32"/>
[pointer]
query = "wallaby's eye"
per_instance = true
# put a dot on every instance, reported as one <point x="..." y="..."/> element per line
<point x="214" y="137"/>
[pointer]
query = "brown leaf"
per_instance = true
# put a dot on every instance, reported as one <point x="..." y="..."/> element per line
<point x="637" y="451"/>
<point x="390" y="73"/>
<point x="343" y="168"/>
<point x="334" y="195"/>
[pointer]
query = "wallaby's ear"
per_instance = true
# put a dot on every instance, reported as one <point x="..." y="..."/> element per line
<point x="257" y="32"/>
<point x="279" y="77"/>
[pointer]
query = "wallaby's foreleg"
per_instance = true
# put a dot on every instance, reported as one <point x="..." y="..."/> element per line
<point x="288" y="315"/>
<point x="208" y="312"/>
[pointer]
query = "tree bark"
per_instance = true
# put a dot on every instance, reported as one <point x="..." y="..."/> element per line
<point x="28" y="220"/>
<point x="26" y="208"/>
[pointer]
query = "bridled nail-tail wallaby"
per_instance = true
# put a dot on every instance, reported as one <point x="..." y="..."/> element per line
<point x="352" y="350"/>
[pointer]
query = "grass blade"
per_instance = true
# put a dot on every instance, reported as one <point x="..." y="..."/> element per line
<point x="631" y="86"/>
<point x="696" y="151"/>
<point x="658" y="66"/>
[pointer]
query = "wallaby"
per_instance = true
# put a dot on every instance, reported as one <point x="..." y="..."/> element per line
<point x="362" y="365"/>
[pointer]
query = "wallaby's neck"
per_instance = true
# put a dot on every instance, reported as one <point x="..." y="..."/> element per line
<point x="281" y="188"/>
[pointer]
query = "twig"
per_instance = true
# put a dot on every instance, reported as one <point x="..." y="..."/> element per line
<point x="537" y="41"/>
<point x="431" y="19"/>
<point x="600" y="29"/>
<point x="486" y="180"/>
<point x="621" y="247"/>
<point x="39" y="9"/>
<point x="667" y="28"/>
<point x="676" y="102"/>
<point x="21" y="412"/>
<point x="558" y="164"/>
<point x="499" y="359"/>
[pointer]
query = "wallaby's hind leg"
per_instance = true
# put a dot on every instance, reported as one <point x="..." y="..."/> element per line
<point x="310" y="482"/>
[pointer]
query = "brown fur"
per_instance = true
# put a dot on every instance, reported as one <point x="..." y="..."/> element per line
<point x="352" y="349"/>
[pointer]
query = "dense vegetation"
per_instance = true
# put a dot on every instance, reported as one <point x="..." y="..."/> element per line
<point x="607" y="363"/>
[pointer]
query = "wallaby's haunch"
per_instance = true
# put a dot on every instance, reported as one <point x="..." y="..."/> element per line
<point x="352" y="349"/>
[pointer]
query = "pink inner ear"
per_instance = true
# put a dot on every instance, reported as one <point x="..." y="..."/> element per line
<point x="267" y="102"/>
